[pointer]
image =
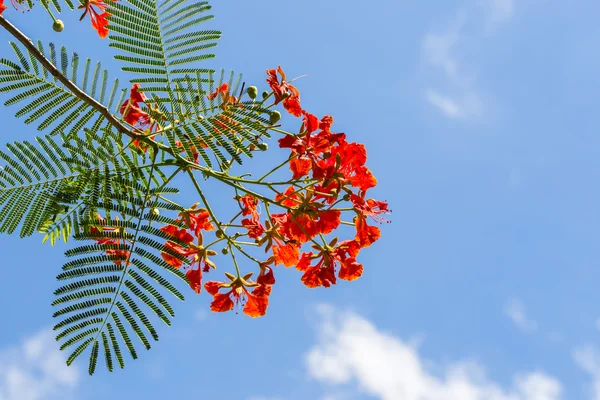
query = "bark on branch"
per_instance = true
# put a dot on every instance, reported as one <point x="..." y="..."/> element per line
<point x="51" y="68"/>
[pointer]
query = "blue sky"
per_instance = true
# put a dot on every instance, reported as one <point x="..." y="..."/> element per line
<point x="481" y="125"/>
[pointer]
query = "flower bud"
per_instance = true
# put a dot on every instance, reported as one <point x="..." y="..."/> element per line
<point x="274" y="117"/>
<point x="58" y="25"/>
<point x="252" y="92"/>
<point x="156" y="211"/>
<point x="220" y="234"/>
<point x="346" y="197"/>
<point x="265" y="94"/>
<point x="224" y="250"/>
<point x="263" y="146"/>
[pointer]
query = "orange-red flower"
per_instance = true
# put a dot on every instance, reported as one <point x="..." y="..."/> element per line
<point x="174" y="253"/>
<point x="284" y="91"/>
<point x="370" y="208"/>
<point x="306" y="217"/>
<point x="366" y="235"/>
<point x="2" y="6"/>
<point x="222" y="90"/>
<point x="286" y="253"/>
<point x="254" y="303"/>
<point x="113" y="247"/>
<point x="196" y="219"/>
<point x="249" y="204"/>
<point x="331" y="257"/>
<point x="130" y="109"/>
<point x="173" y="249"/>
<point x="99" y="19"/>
<point x="312" y="150"/>
<point x="255" y="228"/>
<point x="195" y="278"/>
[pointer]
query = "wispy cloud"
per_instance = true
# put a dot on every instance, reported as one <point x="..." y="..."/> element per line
<point x="588" y="358"/>
<point x="36" y="370"/>
<point x="515" y="310"/>
<point x="442" y="54"/>
<point x="499" y="11"/>
<point x="351" y="350"/>
<point x="458" y="108"/>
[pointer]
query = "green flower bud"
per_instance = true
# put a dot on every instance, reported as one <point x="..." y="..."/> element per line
<point x="252" y="92"/>
<point x="346" y="197"/>
<point x="263" y="146"/>
<point x="265" y="94"/>
<point x="220" y="234"/>
<point x="274" y="117"/>
<point x="225" y="250"/>
<point x="58" y="25"/>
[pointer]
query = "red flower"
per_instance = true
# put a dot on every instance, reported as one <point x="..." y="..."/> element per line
<point x="370" y="208"/>
<point x="249" y="204"/>
<point x="99" y="19"/>
<point x="255" y="228"/>
<point x="255" y="303"/>
<point x="196" y="219"/>
<point x="366" y="235"/>
<point x="292" y="105"/>
<point x="341" y="257"/>
<point x="284" y="91"/>
<point x="130" y="109"/>
<point x="193" y="149"/>
<point x="318" y="275"/>
<point x="197" y="255"/>
<point x="195" y="278"/>
<point x="113" y="246"/>
<point x="286" y="253"/>
<point x="2" y="6"/>
<point x="300" y="166"/>
<point x="302" y="226"/>
<point x="312" y="150"/>
<point x="173" y="249"/>
<point x="347" y="162"/>
<point x="223" y="90"/>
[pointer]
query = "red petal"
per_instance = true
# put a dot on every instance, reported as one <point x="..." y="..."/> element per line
<point x="221" y="303"/>
<point x="292" y="105"/>
<point x="351" y="270"/>
<point x="366" y="235"/>
<point x="257" y="303"/>
<point x="286" y="254"/>
<point x="311" y="122"/>
<point x="212" y="287"/>
<point x="195" y="278"/>
<point x="300" y="167"/>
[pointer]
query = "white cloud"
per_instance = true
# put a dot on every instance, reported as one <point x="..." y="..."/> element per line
<point x="458" y="108"/>
<point x="499" y="11"/>
<point x="36" y="370"/>
<point x="352" y="351"/>
<point x="515" y="310"/>
<point x="588" y="358"/>
<point x="443" y="52"/>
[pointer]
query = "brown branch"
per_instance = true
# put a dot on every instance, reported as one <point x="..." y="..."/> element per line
<point x="112" y="120"/>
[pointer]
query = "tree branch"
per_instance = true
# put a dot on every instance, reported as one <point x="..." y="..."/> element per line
<point x="112" y="120"/>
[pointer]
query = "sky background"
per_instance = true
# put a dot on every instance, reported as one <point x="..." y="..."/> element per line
<point x="481" y="123"/>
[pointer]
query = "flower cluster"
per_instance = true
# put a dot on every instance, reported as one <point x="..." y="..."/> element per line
<point x="327" y="171"/>
<point x="181" y="246"/>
